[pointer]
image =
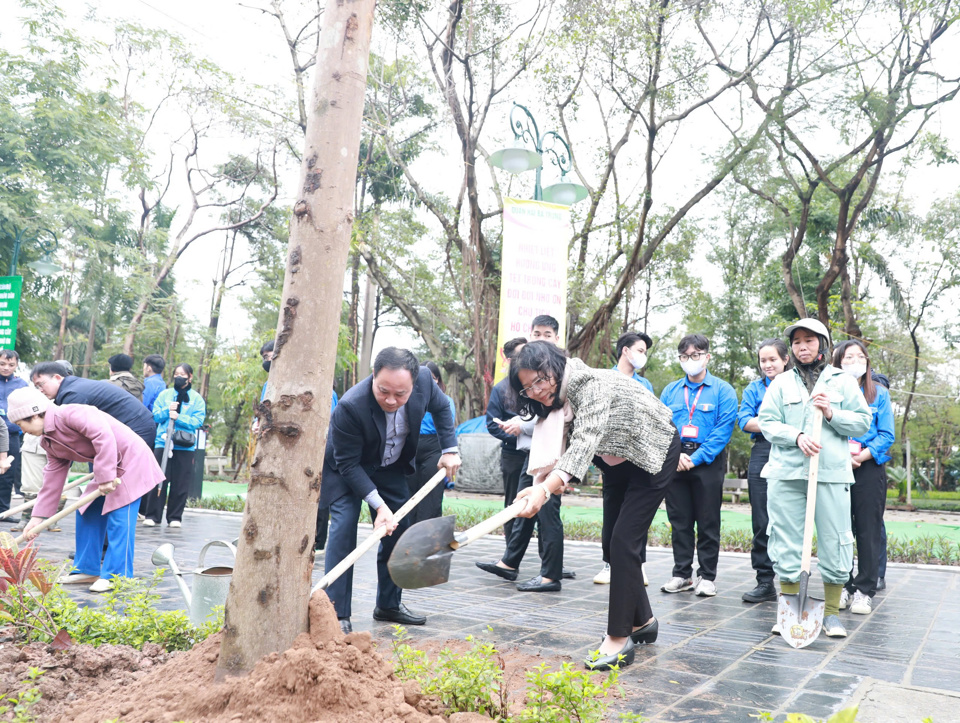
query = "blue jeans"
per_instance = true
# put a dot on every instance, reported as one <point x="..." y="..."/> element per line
<point x="118" y="528"/>
<point x="342" y="540"/>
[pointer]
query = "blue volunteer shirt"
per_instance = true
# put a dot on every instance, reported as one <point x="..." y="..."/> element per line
<point x="714" y="414"/>
<point x="428" y="427"/>
<point x="152" y="386"/>
<point x="637" y="378"/>
<point x="881" y="436"/>
<point x="750" y="406"/>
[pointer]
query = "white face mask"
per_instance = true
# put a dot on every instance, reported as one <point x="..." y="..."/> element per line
<point x="691" y="368"/>
<point x="639" y="360"/>
<point x="856" y="370"/>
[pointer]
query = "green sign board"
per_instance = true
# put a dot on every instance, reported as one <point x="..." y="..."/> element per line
<point x="9" y="310"/>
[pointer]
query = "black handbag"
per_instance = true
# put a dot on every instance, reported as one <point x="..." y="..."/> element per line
<point x="182" y="438"/>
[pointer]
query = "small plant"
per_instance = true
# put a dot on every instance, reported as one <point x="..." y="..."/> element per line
<point x="19" y="705"/>
<point x="25" y="595"/>
<point x="847" y="715"/>
<point x="566" y="695"/>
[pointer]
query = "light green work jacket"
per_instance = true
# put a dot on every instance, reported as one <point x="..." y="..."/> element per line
<point x="786" y="412"/>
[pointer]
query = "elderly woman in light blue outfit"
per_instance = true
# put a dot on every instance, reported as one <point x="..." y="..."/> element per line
<point x="786" y="420"/>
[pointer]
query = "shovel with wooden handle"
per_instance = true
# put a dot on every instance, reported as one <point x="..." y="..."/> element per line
<point x="801" y="616"/>
<point x="422" y="557"/>
<point x="27" y="505"/>
<point x="68" y="510"/>
<point x="378" y="533"/>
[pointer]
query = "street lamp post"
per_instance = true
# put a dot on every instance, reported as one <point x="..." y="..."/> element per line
<point x="519" y="159"/>
<point x="45" y="266"/>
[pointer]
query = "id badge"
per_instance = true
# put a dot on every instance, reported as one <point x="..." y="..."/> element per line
<point x="690" y="431"/>
<point x="855" y="446"/>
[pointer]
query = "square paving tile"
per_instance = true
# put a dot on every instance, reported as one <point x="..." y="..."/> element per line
<point x="699" y="710"/>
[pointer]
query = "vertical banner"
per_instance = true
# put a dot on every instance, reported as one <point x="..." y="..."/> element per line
<point x="534" y="264"/>
<point x="9" y="310"/>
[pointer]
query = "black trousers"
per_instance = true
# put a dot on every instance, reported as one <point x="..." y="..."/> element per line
<point x="694" y="499"/>
<point x="323" y="523"/>
<point x="512" y="464"/>
<point x="549" y="535"/>
<point x="868" y="498"/>
<point x="10" y="479"/>
<point x="173" y="489"/>
<point x="631" y="497"/>
<point x="757" y="486"/>
<point x="428" y="454"/>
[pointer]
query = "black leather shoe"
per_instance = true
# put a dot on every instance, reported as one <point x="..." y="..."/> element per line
<point x="493" y="567"/>
<point x="568" y="575"/>
<point x="536" y="584"/>
<point x="620" y="659"/>
<point x="647" y="634"/>
<point x="400" y="615"/>
<point x="346" y="627"/>
<point x="763" y="592"/>
<point x="881" y="584"/>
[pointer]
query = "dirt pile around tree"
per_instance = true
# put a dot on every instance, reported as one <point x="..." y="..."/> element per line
<point x="325" y="677"/>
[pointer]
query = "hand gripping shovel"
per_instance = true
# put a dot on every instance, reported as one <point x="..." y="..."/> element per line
<point x="68" y="510"/>
<point x="378" y="533"/>
<point x="801" y="616"/>
<point x="421" y="557"/>
<point x="27" y="505"/>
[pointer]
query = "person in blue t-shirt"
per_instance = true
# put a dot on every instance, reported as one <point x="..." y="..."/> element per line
<point x="773" y="358"/>
<point x="704" y="411"/>
<point x="632" y="351"/>
<point x="153" y="384"/>
<point x="428" y="454"/>
<point x="868" y="496"/>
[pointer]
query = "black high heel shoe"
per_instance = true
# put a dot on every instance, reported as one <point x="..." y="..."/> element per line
<point x="621" y="659"/>
<point x="647" y="634"/>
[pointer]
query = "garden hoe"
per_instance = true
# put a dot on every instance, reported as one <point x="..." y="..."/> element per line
<point x="27" y="505"/>
<point x="69" y="509"/>
<point x="422" y="556"/>
<point x="801" y="616"/>
<point x="378" y="533"/>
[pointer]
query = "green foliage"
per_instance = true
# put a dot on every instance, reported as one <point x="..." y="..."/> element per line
<point x="128" y="615"/>
<point x="566" y="695"/>
<point x="17" y="707"/>
<point x="28" y="595"/>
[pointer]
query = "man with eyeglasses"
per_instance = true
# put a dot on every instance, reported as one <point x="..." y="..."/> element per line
<point x="704" y="411"/>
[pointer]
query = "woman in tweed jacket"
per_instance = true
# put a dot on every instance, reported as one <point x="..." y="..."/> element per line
<point x="629" y="434"/>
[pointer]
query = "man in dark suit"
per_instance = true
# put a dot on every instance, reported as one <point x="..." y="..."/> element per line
<point x="371" y="447"/>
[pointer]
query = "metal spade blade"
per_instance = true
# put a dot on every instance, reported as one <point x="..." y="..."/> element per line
<point x="421" y="557"/>
<point x="800" y="616"/>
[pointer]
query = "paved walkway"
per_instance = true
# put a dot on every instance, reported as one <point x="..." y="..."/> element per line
<point x="715" y="659"/>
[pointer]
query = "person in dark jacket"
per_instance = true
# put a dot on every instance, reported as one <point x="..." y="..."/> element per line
<point x="121" y="376"/>
<point x="9" y="381"/>
<point x="51" y="379"/>
<point x="371" y="447"/>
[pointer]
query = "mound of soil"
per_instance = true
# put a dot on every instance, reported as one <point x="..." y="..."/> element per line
<point x="325" y="677"/>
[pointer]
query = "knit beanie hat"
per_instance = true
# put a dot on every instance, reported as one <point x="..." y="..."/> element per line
<point x="26" y="402"/>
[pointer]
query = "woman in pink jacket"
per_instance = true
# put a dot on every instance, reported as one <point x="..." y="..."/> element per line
<point x="123" y="466"/>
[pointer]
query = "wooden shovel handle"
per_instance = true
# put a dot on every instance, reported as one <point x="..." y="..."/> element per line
<point x="811" y="494"/>
<point x="27" y="505"/>
<point x="490" y="524"/>
<point x="69" y="509"/>
<point x="378" y="533"/>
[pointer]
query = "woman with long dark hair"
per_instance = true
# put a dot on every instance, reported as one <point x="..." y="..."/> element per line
<point x="187" y="410"/>
<point x="868" y="496"/>
<point x="428" y="454"/>
<point x="589" y="415"/>
<point x="773" y="358"/>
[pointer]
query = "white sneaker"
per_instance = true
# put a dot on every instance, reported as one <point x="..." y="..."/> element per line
<point x="833" y="627"/>
<point x="175" y="524"/>
<point x="603" y="577"/>
<point x="775" y="630"/>
<point x="861" y="605"/>
<point x="677" y="584"/>
<point x="101" y="585"/>
<point x="646" y="582"/>
<point x="149" y="523"/>
<point x="141" y="518"/>
<point x="705" y="588"/>
<point x="844" y="599"/>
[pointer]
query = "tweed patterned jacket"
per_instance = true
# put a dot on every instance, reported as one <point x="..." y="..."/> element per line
<point x="613" y="415"/>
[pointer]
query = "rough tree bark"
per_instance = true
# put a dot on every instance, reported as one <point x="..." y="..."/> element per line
<point x="267" y="604"/>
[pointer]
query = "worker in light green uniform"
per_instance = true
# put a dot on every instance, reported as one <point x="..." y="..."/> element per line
<point x="786" y="420"/>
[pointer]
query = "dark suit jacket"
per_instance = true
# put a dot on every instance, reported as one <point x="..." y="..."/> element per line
<point x="119" y="404"/>
<point x="358" y="435"/>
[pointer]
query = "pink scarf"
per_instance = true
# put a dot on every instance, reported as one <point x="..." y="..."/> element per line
<point x="550" y="437"/>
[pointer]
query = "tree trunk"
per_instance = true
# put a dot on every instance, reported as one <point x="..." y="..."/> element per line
<point x="267" y="604"/>
<point x="353" y="320"/>
<point x="64" y="313"/>
<point x="211" y="341"/>
<point x="369" y="313"/>
<point x="913" y="381"/>
<point x="91" y="339"/>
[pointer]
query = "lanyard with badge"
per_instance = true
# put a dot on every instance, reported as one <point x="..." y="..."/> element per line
<point x="690" y="430"/>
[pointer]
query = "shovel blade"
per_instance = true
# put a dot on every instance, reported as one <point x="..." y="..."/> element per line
<point x="422" y="555"/>
<point x="800" y="620"/>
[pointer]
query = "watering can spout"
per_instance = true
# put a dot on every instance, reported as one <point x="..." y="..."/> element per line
<point x="163" y="555"/>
